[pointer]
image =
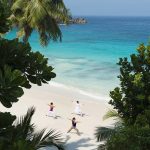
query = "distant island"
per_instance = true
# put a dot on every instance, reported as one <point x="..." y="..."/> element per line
<point x="77" y="21"/>
<point x="74" y="21"/>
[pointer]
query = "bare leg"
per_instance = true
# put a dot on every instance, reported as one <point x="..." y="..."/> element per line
<point x="77" y="131"/>
<point x="70" y="129"/>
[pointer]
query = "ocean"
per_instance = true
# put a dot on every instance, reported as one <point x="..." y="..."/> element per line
<point x="86" y="58"/>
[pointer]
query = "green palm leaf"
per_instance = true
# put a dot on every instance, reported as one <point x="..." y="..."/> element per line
<point x="23" y="136"/>
<point x="103" y="133"/>
<point x="24" y="124"/>
<point x="41" y="16"/>
<point x="51" y="138"/>
<point x="111" y="114"/>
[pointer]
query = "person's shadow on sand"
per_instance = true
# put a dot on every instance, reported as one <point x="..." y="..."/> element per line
<point x="81" y="115"/>
<point x="55" y="117"/>
<point x="74" y="132"/>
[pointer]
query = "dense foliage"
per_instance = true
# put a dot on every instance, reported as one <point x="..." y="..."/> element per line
<point x="132" y="99"/>
<point x="132" y="103"/>
<point x="130" y="138"/>
<point x="20" y="67"/>
<point x="4" y="14"/>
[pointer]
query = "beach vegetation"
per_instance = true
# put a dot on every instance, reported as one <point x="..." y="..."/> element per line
<point x="22" y="135"/>
<point x="132" y="98"/>
<point x="132" y="102"/>
<point x="41" y="16"/>
<point x="4" y="23"/>
<point x="112" y="114"/>
<point x="20" y="67"/>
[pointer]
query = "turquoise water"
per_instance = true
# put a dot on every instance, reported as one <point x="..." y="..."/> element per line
<point x="86" y="58"/>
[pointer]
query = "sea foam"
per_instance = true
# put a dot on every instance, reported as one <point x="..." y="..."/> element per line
<point x="85" y="93"/>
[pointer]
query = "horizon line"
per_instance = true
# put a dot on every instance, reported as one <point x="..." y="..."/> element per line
<point x="107" y="16"/>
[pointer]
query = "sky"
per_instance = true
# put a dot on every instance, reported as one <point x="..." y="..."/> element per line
<point x="109" y="7"/>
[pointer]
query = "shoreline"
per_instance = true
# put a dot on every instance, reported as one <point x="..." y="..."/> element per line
<point x="62" y="98"/>
<point x="82" y="92"/>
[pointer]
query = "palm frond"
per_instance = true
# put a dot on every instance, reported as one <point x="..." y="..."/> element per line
<point x="24" y="124"/>
<point x="36" y="139"/>
<point x="20" y="33"/>
<point x="41" y="16"/>
<point x="103" y="133"/>
<point x="58" y="11"/>
<point x="27" y="32"/>
<point x="22" y="135"/>
<point x="111" y="114"/>
<point x="18" y="8"/>
<point x="52" y="33"/>
<point x="51" y="138"/>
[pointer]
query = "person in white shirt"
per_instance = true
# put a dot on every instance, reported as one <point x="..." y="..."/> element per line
<point x="77" y="109"/>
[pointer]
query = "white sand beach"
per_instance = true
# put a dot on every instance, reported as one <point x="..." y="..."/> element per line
<point x="62" y="98"/>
